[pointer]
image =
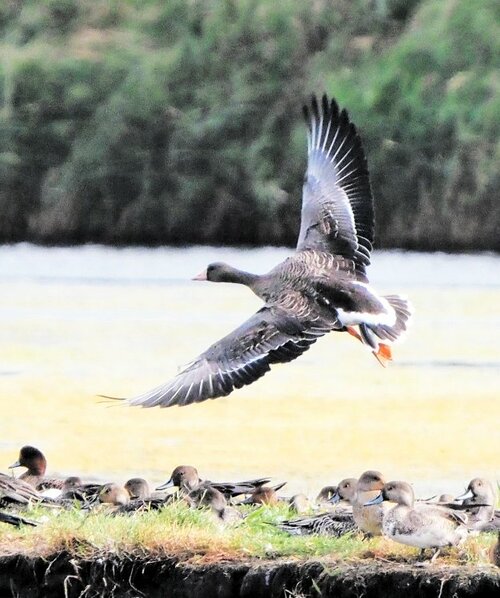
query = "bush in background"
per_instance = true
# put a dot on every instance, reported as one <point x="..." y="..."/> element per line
<point x="150" y="122"/>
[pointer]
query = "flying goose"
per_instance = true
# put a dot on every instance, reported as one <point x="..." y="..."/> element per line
<point x="323" y="287"/>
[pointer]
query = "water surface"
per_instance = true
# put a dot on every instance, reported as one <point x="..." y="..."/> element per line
<point x="81" y="321"/>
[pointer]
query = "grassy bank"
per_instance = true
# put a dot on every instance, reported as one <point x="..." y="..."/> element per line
<point x="196" y="536"/>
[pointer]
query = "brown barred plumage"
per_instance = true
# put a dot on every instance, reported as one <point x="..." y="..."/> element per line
<point x="321" y="288"/>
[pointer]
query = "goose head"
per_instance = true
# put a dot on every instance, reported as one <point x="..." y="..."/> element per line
<point x="222" y="272"/>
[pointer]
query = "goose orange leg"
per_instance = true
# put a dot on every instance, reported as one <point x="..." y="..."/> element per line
<point x="353" y="332"/>
<point x="383" y="354"/>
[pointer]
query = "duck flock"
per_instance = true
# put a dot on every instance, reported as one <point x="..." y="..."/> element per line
<point x="368" y="505"/>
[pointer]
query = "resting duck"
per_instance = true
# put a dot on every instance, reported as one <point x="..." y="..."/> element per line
<point x="421" y="525"/>
<point x="137" y="488"/>
<point x="368" y="516"/>
<point x="323" y="287"/>
<point x="14" y="491"/>
<point x="209" y="497"/>
<point x="114" y="494"/>
<point x="325" y="495"/>
<point x="336" y="523"/>
<point x="265" y="495"/>
<point x="36" y="463"/>
<point x="482" y="493"/>
<point x="132" y="497"/>
<point x="187" y="479"/>
<point x="74" y="489"/>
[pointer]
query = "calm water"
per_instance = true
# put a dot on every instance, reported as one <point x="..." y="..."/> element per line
<point x="80" y="321"/>
<point x="98" y="265"/>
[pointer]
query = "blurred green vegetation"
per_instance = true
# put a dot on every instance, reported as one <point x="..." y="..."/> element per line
<point x="145" y="121"/>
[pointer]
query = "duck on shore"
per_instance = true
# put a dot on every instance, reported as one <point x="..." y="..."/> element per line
<point x="187" y="479"/>
<point x="482" y="493"/>
<point x="336" y="523"/>
<point x="369" y="516"/>
<point x="138" y="488"/>
<point x="36" y="465"/>
<point x="17" y="492"/>
<point x="323" y="499"/>
<point x="74" y="489"/>
<point x="265" y="495"/>
<point x="422" y="525"/>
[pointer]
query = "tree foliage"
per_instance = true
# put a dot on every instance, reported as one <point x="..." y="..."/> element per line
<point x="143" y="121"/>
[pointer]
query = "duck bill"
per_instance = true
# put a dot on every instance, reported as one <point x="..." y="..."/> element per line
<point x="334" y="499"/>
<point x="168" y="484"/>
<point x="466" y="494"/>
<point x="374" y="501"/>
<point x="16" y="464"/>
<point x="201" y="276"/>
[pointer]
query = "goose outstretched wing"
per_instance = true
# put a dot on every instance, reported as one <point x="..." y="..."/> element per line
<point x="272" y="335"/>
<point x="337" y="203"/>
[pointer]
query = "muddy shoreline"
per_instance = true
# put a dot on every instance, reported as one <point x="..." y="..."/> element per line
<point x="122" y="576"/>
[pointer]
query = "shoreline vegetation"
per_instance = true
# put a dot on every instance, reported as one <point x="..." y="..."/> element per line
<point x="197" y="536"/>
<point x="184" y="552"/>
<point x="180" y="123"/>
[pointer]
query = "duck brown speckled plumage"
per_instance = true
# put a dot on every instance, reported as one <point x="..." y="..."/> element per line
<point x="14" y="491"/>
<point x="335" y="523"/>
<point x="323" y="287"/>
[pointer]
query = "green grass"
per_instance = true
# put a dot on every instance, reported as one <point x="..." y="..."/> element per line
<point x="196" y="536"/>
